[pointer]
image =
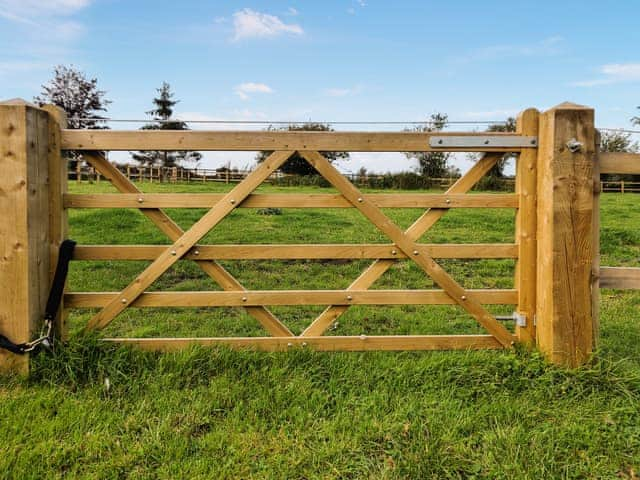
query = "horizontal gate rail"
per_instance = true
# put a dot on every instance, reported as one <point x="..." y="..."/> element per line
<point x="289" y="297"/>
<point x="619" y="162"/>
<point x="97" y="140"/>
<point x="623" y="278"/>
<point x="329" y="343"/>
<point x="286" y="200"/>
<point x="297" y="252"/>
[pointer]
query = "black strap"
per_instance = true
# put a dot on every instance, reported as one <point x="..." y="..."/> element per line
<point x="59" y="277"/>
<point x="53" y="304"/>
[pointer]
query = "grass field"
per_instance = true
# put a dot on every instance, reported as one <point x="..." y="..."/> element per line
<point x="96" y="411"/>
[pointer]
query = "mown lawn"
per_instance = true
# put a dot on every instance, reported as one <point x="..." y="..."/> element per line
<point x="96" y="411"/>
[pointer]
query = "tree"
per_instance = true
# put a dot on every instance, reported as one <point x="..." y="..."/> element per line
<point x="497" y="171"/>
<point x="636" y="120"/>
<point x="77" y="95"/>
<point x="296" y="164"/>
<point x="432" y="164"/>
<point x="162" y="120"/>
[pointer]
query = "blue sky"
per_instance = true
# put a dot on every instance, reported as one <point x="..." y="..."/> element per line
<point x="333" y="60"/>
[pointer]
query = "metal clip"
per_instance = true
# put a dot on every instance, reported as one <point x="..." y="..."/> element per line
<point x="574" y="145"/>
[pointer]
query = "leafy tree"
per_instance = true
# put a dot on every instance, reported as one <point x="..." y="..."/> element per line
<point x="77" y="95"/>
<point x="497" y="171"/>
<point x="296" y="164"/>
<point x="162" y="120"/>
<point x="636" y="120"/>
<point x="613" y="141"/>
<point x="432" y="164"/>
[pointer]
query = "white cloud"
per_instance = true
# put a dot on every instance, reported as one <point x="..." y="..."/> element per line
<point x="292" y="11"/>
<point x="549" y="46"/>
<point x="613" y="73"/>
<point x="248" y="23"/>
<point x="245" y="89"/>
<point x="25" y="11"/>
<point x="343" y="92"/>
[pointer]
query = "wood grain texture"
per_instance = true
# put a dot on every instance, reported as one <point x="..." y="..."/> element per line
<point x="288" y="297"/>
<point x="293" y="252"/>
<point x="58" y="218"/>
<point x="618" y="162"/>
<point x="526" y="225"/>
<point x="623" y="278"/>
<point x="24" y="229"/>
<point x="263" y="140"/>
<point x="332" y="343"/>
<point x="565" y="235"/>
<point x="289" y="200"/>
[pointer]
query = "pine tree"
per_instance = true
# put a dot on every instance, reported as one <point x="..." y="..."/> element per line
<point x="162" y="120"/>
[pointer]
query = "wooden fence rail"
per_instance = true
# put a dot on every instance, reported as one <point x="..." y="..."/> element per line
<point x="555" y="245"/>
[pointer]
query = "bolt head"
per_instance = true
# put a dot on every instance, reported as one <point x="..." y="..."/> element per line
<point x="244" y="299"/>
<point x="196" y="252"/>
<point x="173" y="252"/>
<point x="124" y="300"/>
<point x="359" y="199"/>
<point x="349" y="297"/>
<point x="464" y="297"/>
<point x="394" y="252"/>
<point x="140" y="200"/>
<point x="416" y="252"/>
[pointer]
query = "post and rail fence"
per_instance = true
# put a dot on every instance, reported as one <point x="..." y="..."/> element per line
<point x="556" y="239"/>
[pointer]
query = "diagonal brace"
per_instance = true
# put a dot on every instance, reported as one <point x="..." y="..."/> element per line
<point x="415" y="231"/>
<point x="188" y="239"/>
<point x="405" y="243"/>
<point x="172" y="230"/>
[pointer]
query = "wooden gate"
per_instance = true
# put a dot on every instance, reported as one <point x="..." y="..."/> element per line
<point x="553" y="246"/>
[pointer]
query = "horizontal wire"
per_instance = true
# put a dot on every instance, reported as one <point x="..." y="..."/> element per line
<point x="279" y="122"/>
<point x="619" y="130"/>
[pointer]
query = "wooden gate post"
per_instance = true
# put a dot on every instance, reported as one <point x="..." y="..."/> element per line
<point x="566" y="154"/>
<point x="25" y="236"/>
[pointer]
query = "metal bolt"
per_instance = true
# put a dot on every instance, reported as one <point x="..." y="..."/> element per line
<point x="124" y="300"/>
<point x="289" y="344"/>
<point x="464" y="297"/>
<point x="448" y="200"/>
<point x="349" y="297"/>
<point x="140" y="200"/>
<point x="244" y="299"/>
<point x="440" y="142"/>
<point x="486" y="142"/>
<point x="533" y="142"/>
<point x="415" y="252"/>
<point x="232" y="201"/>
<point x="394" y="252"/>
<point x="359" y="199"/>
<point x="196" y="252"/>
<point x="173" y="252"/>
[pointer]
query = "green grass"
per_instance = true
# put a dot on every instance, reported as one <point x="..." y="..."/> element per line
<point x="97" y="411"/>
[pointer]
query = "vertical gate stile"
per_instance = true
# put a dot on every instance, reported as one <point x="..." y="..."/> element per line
<point x="58" y="218"/>
<point x="526" y="224"/>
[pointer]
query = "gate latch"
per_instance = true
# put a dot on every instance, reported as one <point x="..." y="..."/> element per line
<point x="519" y="318"/>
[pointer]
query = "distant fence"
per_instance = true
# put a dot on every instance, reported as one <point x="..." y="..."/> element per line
<point x="401" y="180"/>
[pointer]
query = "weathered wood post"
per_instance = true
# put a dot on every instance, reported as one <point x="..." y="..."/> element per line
<point x="566" y="154"/>
<point x="25" y="226"/>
